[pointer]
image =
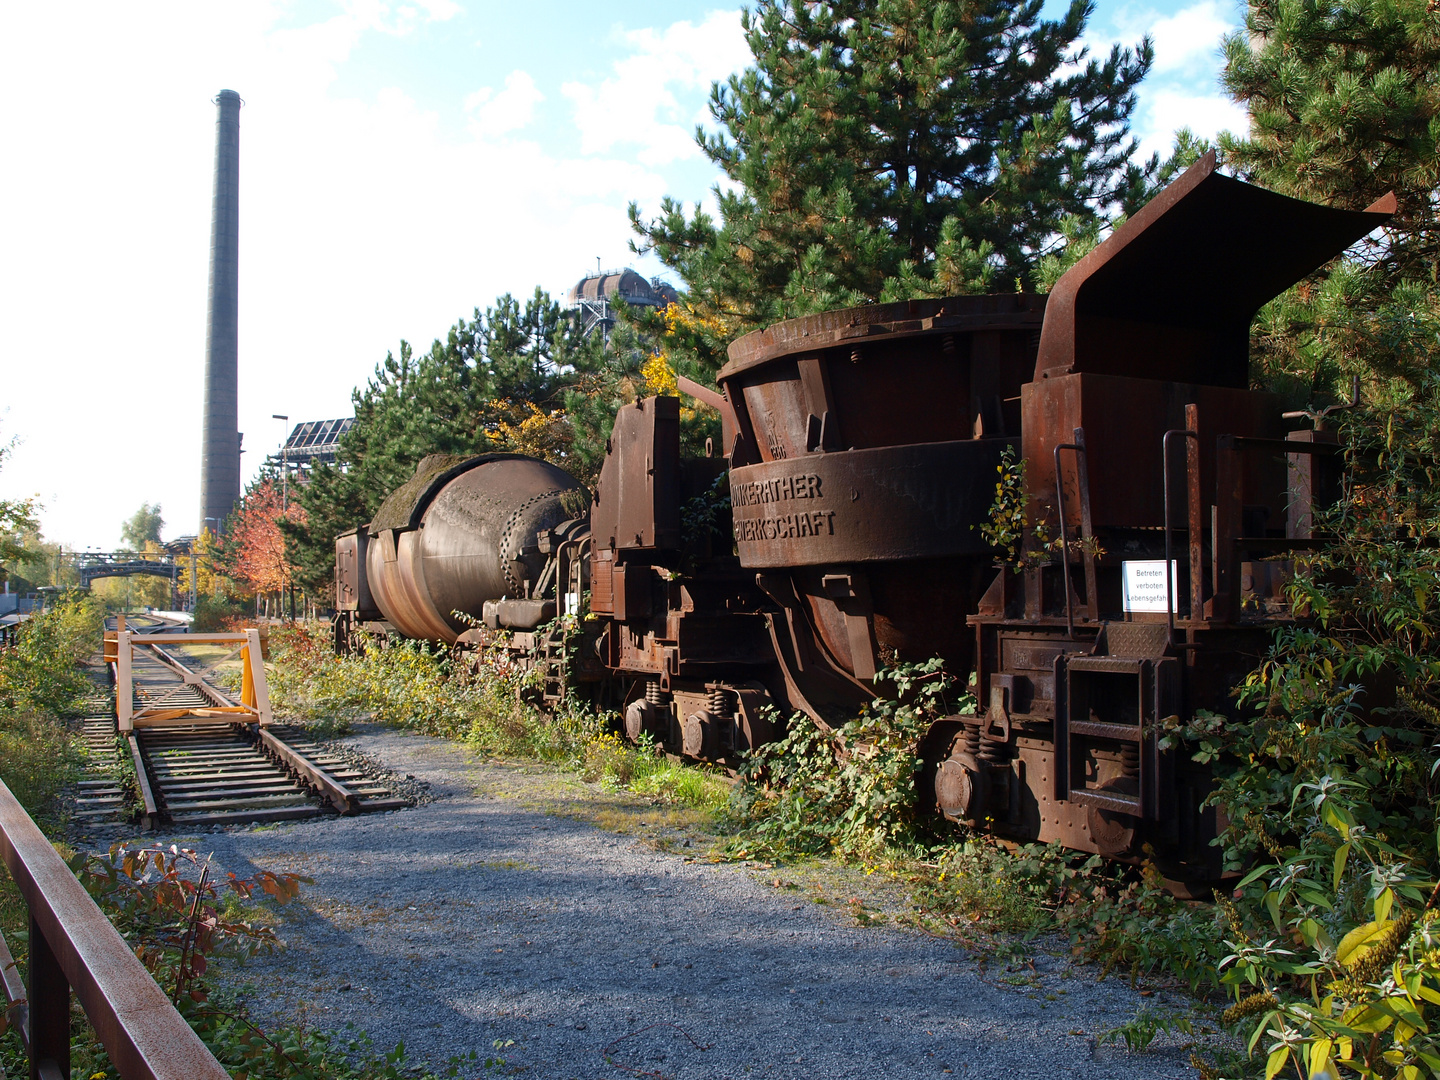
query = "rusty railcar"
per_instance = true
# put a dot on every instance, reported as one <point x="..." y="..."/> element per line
<point x="1173" y="491"/>
<point x="860" y="455"/>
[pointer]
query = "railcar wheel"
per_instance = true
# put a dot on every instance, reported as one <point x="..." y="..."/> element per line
<point x="703" y="735"/>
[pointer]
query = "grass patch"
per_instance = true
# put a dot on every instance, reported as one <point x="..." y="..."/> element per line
<point x="646" y="770"/>
<point x="486" y="704"/>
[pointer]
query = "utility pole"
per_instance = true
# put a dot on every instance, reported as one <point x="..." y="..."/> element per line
<point x="285" y="491"/>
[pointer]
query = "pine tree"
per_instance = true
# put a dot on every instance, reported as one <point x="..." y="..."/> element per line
<point x="880" y="147"/>
<point x="1344" y="102"/>
<point x="468" y="394"/>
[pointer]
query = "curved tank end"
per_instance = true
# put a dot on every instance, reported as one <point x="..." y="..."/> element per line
<point x="461" y="533"/>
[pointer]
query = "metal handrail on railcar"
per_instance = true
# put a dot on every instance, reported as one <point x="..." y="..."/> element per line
<point x="74" y="946"/>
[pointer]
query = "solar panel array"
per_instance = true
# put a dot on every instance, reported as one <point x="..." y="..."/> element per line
<point x="316" y="438"/>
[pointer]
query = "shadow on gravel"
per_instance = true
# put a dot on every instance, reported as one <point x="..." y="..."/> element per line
<point x="479" y="920"/>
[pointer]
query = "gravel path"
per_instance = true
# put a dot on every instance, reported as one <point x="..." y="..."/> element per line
<point x="487" y="914"/>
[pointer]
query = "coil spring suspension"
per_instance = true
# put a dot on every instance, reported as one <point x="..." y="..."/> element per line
<point x="972" y="739"/>
<point x="1130" y="760"/>
<point x="993" y="752"/>
<point x="720" y="704"/>
<point x="654" y="694"/>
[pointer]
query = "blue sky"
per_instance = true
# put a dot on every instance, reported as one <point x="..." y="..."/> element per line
<point x="402" y="161"/>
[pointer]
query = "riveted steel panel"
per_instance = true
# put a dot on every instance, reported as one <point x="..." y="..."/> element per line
<point x="899" y="502"/>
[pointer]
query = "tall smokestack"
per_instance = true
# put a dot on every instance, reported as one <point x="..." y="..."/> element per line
<point x="220" y="442"/>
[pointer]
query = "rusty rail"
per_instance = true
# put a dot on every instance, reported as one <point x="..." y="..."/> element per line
<point x="73" y="946"/>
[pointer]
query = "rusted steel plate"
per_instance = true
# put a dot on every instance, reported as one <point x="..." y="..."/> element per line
<point x="1125" y="421"/>
<point x="144" y="1036"/>
<point x="352" y="589"/>
<point x="637" y="504"/>
<point x="1005" y="311"/>
<point x="899" y="502"/>
<point x="1172" y="292"/>
<point x="887" y="391"/>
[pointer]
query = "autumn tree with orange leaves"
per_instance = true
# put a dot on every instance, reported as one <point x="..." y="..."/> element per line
<point x="254" y="547"/>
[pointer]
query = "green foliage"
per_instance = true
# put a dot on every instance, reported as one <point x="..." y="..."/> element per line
<point x="452" y="399"/>
<point x="484" y="700"/>
<point x="979" y="881"/>
<point x="645" y="770"/>
<point x="38" y="756"/>
<point x="850" y="790"/>
<point x="1024" y="543"/>
<point x="1334" y="955"/>
<point x="17" y="519"/>
<point x="1006" y="528"/>
<point x="1343" y="98"/>
<point x="215" y="614"/>
<point x="413" y="685"/>
<point x="141" y="527"/>
<point x="42" y="672"/>
<point x="1140" y="1030"/>
<point x="889" y="147"/>
<point x="1354" y="691"/>
<point x="708" y="511"/>
<point x="1328" y="779"/>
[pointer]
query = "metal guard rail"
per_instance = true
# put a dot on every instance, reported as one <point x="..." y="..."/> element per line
<point x="73" y="945"/>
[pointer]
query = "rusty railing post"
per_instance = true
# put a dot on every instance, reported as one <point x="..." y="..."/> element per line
<point x="48" y="1001"/>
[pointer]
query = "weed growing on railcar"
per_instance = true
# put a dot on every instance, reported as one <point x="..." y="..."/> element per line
<point x="851" y="790"/>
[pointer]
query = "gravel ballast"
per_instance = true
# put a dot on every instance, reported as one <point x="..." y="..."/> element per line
<point x="487" y="915"/>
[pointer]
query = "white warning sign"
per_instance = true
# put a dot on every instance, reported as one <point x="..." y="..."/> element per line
<point x="1145" y="585"/>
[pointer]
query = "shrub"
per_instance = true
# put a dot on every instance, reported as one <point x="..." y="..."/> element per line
<point x="42" y="672"/>
<point x="851" y="790"/>
<point x="40" y="682"/>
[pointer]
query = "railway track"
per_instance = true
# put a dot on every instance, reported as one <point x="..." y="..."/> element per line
<point x="210" y="773"/>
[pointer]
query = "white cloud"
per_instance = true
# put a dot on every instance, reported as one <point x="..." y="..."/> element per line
<point x="637" y="104"/>
<point x="509" y="110"/>
<point x="402" y="18"/>
<point x="1165" y="111"/>
<point x="1188" y="42"/>
<point x="1183" y="87"/>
